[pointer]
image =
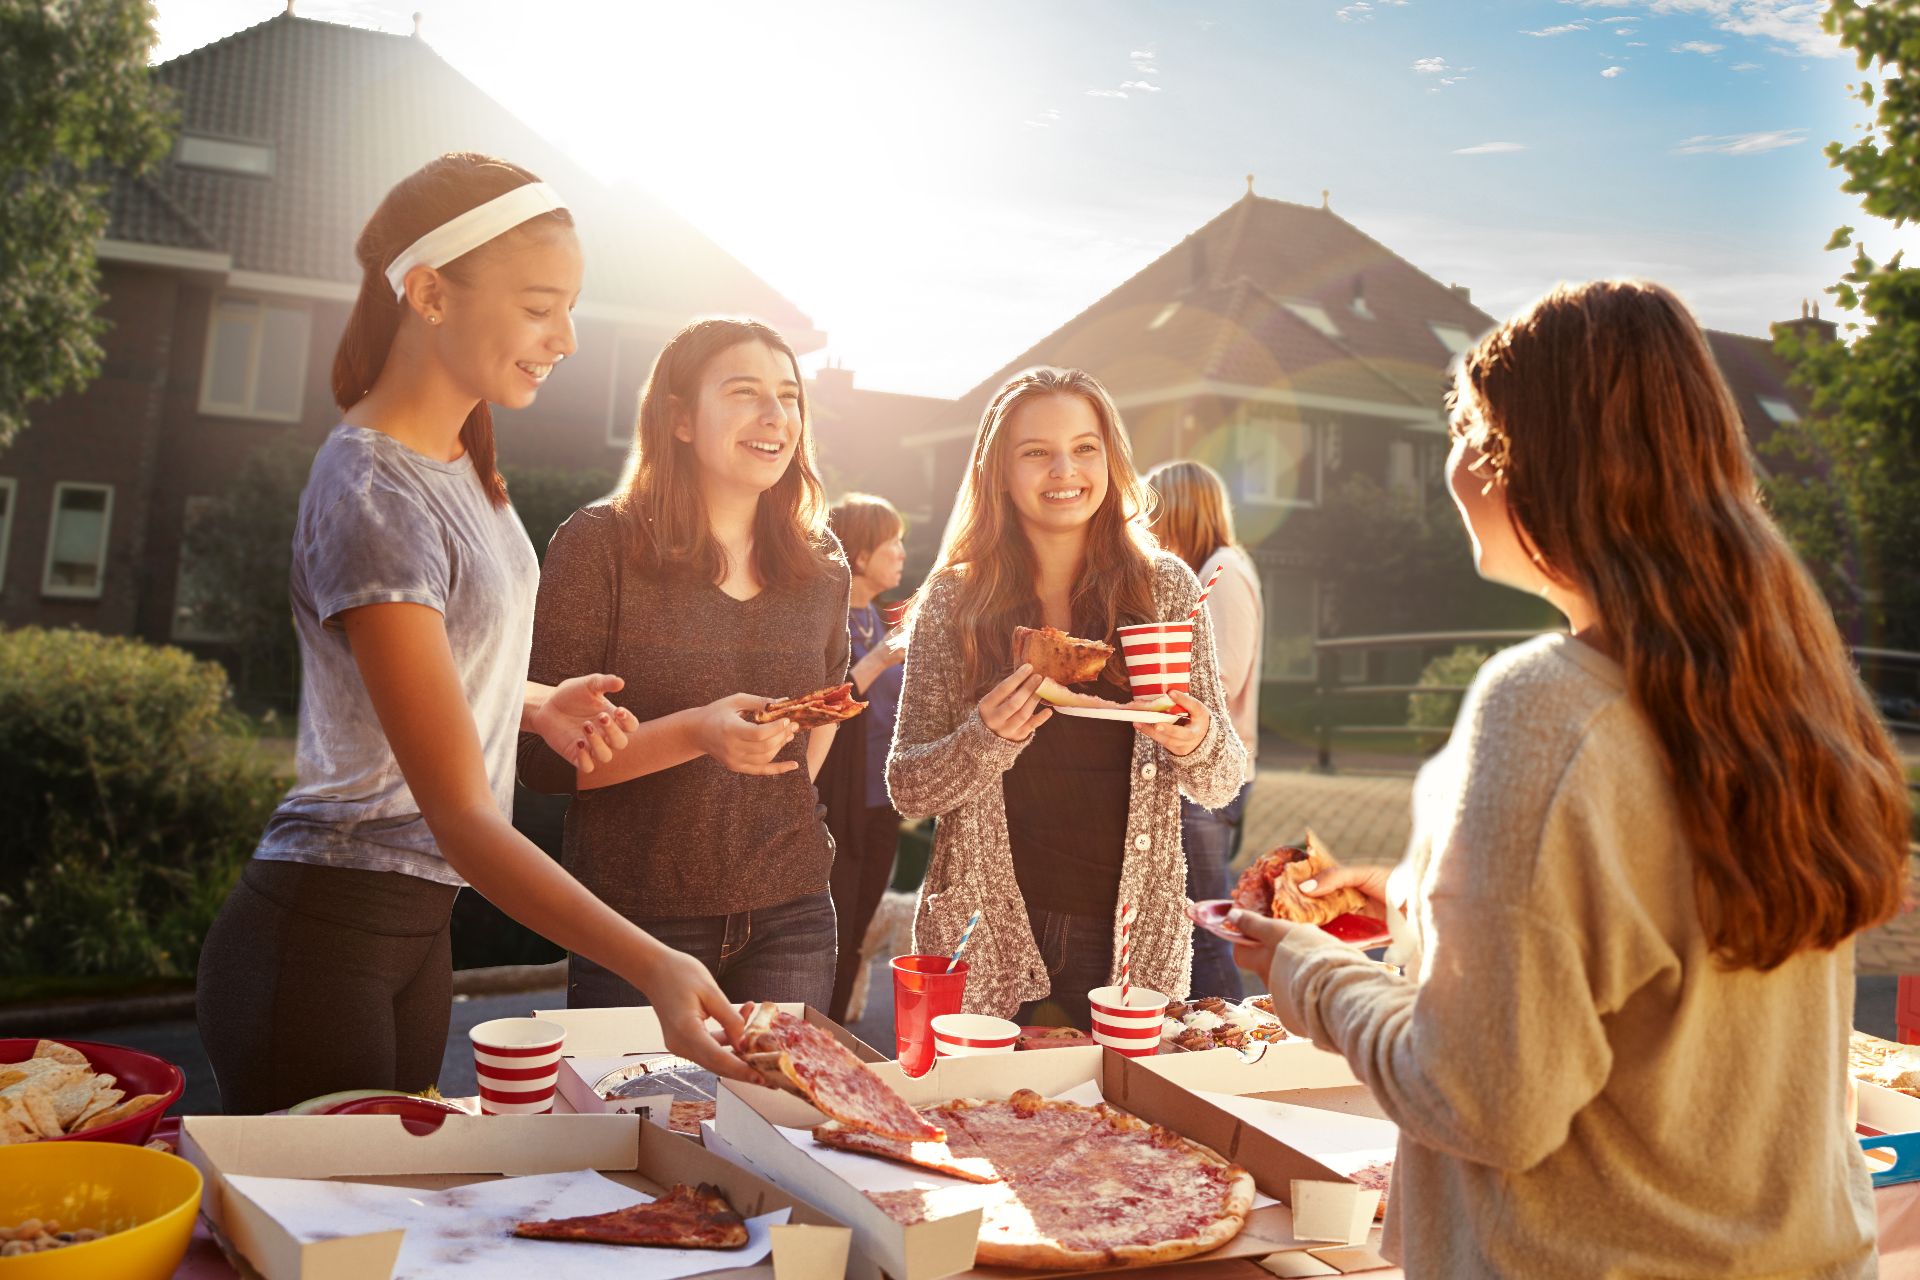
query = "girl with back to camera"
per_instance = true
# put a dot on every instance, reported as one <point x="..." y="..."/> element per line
<point x="1637" y="867"/>
<point x="1050" y="824"/>
<point x="413" y="585"/>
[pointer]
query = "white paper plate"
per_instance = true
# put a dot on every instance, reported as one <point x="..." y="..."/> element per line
<point x="1119" y="713"/>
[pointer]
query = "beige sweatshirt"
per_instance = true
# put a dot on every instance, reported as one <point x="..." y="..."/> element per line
<point x="1581" y="1090"/>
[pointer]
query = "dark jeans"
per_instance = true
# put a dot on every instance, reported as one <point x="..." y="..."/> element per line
<point x="1211" y="838"/>
<point x="315" y="979"/>
<point x="1078" y="953"/>
<point x="779" y="953"/>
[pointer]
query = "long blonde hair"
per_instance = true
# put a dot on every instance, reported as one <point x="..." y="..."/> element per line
<point x="991" y="562"/>
<point x="1192" y="518"/>
<point x="1621" y="453"/>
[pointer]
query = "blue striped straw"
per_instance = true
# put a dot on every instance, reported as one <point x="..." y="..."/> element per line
<point x="965" y="933"/>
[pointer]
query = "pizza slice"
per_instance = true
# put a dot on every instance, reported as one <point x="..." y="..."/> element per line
<point x="812" y="710"/>
<point x="685" y="1218"/>
<point x="1271" y="886"/>
<point x="1020" y="1133"/>
<point x="1059" y="656"/>
<point x="1375" y="1177"/>
<point x="957" y="1157"/>
<point x="795" y="1055"/>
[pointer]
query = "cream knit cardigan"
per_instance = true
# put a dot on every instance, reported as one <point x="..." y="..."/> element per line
<point x="947" y="764"/>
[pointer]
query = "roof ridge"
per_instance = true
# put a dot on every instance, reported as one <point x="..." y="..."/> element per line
<point x="230" y="38"/>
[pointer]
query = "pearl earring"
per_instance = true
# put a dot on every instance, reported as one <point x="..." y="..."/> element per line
<point x="433" y="319"/>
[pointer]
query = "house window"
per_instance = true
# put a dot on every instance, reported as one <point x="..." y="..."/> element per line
<point x="256" y="360"/>
<point x="225" y="155"/>
<point x="1291" y="604"/>
<point x="632" y="359"/>
<point x="1278" y="461"/>
<point x="1351" y="666"/>
<point x="1316" y="315"/>
<point x="7" y="486"/>
<point x="191" y="589"/>
<point x="1455" y="339"/>
<point x="1400" y="477"/>
<point x="1779" y="410"/>
<point x="77" y="541"/>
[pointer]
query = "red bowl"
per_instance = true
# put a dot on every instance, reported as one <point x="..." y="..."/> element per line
<point x="134" y="1073"/>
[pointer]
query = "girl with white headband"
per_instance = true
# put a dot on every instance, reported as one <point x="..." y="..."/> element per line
<point x="413" y="588"/>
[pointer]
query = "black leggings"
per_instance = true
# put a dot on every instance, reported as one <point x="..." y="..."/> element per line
<point x="315" y="979"/>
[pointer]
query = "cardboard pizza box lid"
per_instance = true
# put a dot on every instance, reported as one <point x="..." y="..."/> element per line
<point x="463" y="1150"/>
<point x="749" y="1119"/>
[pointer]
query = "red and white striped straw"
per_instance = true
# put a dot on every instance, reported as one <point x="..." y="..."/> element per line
<point x="1211" y="579"/>
<point x="1126" y="958"/>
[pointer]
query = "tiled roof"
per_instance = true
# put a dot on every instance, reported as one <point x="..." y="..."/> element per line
<point x="139" y="211"/>
<point x="1753" y="369"/>
<point x="348" y="112"/>
<point x="1220" y="307"/>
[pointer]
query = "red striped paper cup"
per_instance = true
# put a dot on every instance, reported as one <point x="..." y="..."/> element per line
<point x="1159" y="657"/>
<point x="966" y="1035"/>
<point x="517" y="1064"/>
<point x="1132" y="1028"/>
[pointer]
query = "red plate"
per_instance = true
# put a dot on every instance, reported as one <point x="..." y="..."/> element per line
<point x="1355" y="930"/>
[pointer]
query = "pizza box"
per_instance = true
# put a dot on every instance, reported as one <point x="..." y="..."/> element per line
<point x="750" y="1119"/>
<point x="1889" y="1124"/>
<point x="600" y="1041"/>
<point x="463" y="1150"/>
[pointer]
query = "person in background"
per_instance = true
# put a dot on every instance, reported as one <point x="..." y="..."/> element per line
<point x="711" y="581"/>
<point x="1051" y="824"/>
<point x="1193" y="520"/>
<point x="853" y="782"/>
<point x="1638" y="865"/>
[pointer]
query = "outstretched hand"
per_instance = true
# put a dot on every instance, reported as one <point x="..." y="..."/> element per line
<point x="581" y="724"/>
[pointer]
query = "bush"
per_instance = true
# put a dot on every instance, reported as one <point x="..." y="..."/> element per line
<point x="131" y="801"/>
<point x="1456" y="670"/>
<point x="545" y="496"/>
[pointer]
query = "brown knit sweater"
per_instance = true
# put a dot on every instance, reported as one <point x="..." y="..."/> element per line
<point x="697" y="839"/>
<point x="947" y="763"/>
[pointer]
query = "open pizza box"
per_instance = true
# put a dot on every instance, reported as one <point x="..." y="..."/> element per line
<point x="602" y="1041"/>
<point x="756" y="1125"/>
<point x="465" y="1150"/>
<point x="1890" y="1133"/>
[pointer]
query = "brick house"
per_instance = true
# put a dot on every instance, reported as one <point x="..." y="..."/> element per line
<point x="229" y="274"/>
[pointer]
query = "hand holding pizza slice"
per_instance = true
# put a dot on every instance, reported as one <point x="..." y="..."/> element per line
<point x="813" y="710"/>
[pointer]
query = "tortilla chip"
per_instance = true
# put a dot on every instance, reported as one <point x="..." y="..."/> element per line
<point x="115" y="1114"/>
<point x="102" y="1099"/>
<point x="11" y="1130"/>
<point x="60" y="1053"/>
<point x="10" y="1076"/>
<point x="74" y="1097"/>
<point x="46" y="1073"/>
<point x="16" y="1113"/>
<point x="38" y="1104"/>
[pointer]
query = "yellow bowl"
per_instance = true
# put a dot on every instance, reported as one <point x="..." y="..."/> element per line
<point x="146" y="1200"/>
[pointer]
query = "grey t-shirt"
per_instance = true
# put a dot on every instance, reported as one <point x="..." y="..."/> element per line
<point x="380" y="524"/>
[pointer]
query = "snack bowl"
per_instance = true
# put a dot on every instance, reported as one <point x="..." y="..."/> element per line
<point x="135" y="1073"/>
<point x="145" y="1200"/>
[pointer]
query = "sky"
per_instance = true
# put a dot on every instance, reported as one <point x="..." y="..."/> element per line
<point x="941" y="185"/>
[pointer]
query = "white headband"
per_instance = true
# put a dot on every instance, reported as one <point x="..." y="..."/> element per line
<point x="472" y="229"/>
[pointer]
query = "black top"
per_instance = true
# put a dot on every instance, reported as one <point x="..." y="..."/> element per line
<point x="1066" y="799"/>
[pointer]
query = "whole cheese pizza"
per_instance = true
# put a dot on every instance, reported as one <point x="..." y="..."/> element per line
<point x="1080" y="1187"/>
<point x="685" y="1218"/>
<point x="795" y="1055"/>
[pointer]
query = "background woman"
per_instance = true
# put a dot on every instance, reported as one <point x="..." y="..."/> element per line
<point x="1192" y="519"/>
<point x="711" y="571"/>
<point x="329" y="967"/>
<point x="1049" y="842"/>
<point x="853" y="781"/>
<point x="1637" y="866"/>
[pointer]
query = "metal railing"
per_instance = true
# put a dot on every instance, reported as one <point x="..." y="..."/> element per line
<point x="1879" y="667"/>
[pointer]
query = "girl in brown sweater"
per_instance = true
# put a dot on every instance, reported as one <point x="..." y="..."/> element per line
<point x="709" y="573"/>
<point x="1637" y="866"/>
<point x="1050" y="824"/>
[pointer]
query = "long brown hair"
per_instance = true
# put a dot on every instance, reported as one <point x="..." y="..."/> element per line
<point x="660" y="499"/>
<point x="430" y="196"/>
<point x="1624" y="465"/>
<point x="1191" y="518"/>
<point x="991" y="562"/>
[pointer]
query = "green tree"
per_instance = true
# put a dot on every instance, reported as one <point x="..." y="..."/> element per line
<point x="1848" y="487"/>
<point x="77" y="100"/>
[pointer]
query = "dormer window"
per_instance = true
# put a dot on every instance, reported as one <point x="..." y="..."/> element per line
<point x="1316" y="315"/>
<point x="1455" y="339"/>
<point x="1166" y="314"/>
<point x="225" y="155"/>
<point x="1779" y="410"/>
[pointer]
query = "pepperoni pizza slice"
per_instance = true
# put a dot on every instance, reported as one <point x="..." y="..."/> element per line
<point x="812" y="710"/>
<point x="685" y="1218"/>
<point x="795" y="1055"/>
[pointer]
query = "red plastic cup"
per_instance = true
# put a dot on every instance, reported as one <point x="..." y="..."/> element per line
<point x="922" y="991"/>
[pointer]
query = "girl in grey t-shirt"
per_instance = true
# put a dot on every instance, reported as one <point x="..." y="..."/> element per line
<point x="413" y="588"/>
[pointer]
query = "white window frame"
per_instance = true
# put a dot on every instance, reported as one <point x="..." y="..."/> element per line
<point x="225" y="155"/>
<point x="10" y="487"/>
<point x="189" y="633"/>
<point x="47" y="585"/>
<point x="247" y="409"/>
<point x="1265" y="495"/>
<point x="1781" y="411"/>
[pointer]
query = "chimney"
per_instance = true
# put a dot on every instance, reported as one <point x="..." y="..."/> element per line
<point x="1461" y="292"/>
<point x="1810" y="328"/>
<point x="831" y="380"/>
